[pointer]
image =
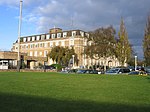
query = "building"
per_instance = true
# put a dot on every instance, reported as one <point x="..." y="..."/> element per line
<point x="40" y="45"/>
<point x="8" y="60"/>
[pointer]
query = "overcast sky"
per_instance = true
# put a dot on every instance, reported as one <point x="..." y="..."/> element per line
<point x="41" y="15"/>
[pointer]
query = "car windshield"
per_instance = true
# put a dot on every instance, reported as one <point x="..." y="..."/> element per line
<point x="114" y="70"/>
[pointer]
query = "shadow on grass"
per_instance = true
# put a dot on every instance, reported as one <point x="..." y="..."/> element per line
<point x="18" y="103"/>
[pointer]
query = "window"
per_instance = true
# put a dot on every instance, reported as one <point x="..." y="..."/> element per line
<point x="58" y="35"/>
<point x="51" y="44"/>
<point x="45" y="53"/>
<point x="82" y="33"/>
<point x="71" y="42"/>
<point x="31" y="53"/>
<point x="31" y="46"/>
<point x="29" y="38"/>
<point x="57" y="43"/>
<point x="73" y="33"/>
<point x="47" y="36"/>
<point x="65" y="34"/>
<point x="42" y="37"/>
<point x="46" y="44"/>
<point x="63" y="43"/>
<point x="33" y="38"/>
<point x="53" y="36"/>
<point x="41" y="45"/>
<point x="40" y="53"/>
<point x="24" y="39"/>
<point x="38" y="37"/>
<point x="35" y="53"/>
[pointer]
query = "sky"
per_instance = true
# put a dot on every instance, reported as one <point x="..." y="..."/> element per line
<point x="41" y="15"/>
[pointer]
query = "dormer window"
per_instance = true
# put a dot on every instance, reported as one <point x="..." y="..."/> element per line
<point x="65" y="34"/>
<point x="24" y="39"/>
<point x="33" y="38"/>
<point x="82" y="33"/>
<point x="38" y="37"/>
<point x="47" y="36"/>
<point x="73" y="33"/>
<point x="58" y="35"/>
<point x="53" y="36"/>
<point x="29" y="38"/>
<point x="42" y="37"/>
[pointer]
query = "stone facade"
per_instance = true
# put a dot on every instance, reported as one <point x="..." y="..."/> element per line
<point x="7" y="57"/>
<point x="40" y="45"/>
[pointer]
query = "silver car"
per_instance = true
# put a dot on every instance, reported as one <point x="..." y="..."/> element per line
<point x="118" y="71"/>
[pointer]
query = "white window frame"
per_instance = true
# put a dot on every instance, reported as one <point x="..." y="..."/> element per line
<point x="48" y="36"/>
<point x="64" y="34"/>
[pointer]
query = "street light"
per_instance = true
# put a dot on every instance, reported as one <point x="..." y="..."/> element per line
<point x="135" y="62"/>
<point x="19" y="34"/>
<point x="73" y="61"/>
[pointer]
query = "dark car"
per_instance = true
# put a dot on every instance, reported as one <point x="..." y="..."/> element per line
<point x="137" y="73"/>
<point x="147" y="70"/>
<point x="91" y="71"/>
<point x="81" y="71"/>
<point x="118" y="71"/>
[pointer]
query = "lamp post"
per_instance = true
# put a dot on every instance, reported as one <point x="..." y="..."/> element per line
<point x="73" y="61"/>
<point x="19" y="34"/>
<point x="135" y="62"/>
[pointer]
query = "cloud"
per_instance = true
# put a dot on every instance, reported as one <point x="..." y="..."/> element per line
<point x="86" y="14"/>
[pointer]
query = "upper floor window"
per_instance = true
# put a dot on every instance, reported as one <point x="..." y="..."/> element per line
<point x="58" y="35"/>
<point x="63" y="43"/>
<point x="31" y="53"/>
<point x="71" y="42"/>
<point x="51" y="44"/>
<point x="24" y="39"/>
<point x="29" y="38"/>
<point x="41" y="44"/>
<point x="42" y="37"/>
<point x="73" y="33"/>
<point x="35" y="53"/>
<point x="33" y="38"/>
<point x="82" y="33"/>
<point x="46" y="45"/>
<point x="53" y="36"/>
<point x="57" y="43"/>
<point x="65" y="34"/>
<point x="31" y="46"/>
<point x="87" y="34"/>
<point x="45" y="53"/>
<point x="47" y="36"/>
<point x="38" y="37"/>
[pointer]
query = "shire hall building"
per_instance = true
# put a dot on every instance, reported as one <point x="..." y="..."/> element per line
<point x="36" y="47"/>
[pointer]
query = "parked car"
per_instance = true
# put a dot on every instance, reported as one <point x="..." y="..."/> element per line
<point x="87" y="71"/>
<point x="118" y="71"/>
<point x="137" y="73"/>
<point x="81" y="71"/>
<point x="147" y="70"/>
<point x="91" y="71"/>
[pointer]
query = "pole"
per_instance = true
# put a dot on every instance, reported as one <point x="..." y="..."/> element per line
<point x="19" y="34"/>
<point x="73" y="61"/>
<point x="135" y="63"/>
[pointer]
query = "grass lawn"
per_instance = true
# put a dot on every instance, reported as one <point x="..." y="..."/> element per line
<point x="55" y="92"/>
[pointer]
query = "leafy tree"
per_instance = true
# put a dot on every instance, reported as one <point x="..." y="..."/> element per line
<point x="146" y="43"/>
<point x="123" y="47"/>
<point x="62" y="55"/>
<point x="101" y="43"/>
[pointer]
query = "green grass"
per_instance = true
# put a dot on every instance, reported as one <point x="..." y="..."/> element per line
<point x="55" y="92"/>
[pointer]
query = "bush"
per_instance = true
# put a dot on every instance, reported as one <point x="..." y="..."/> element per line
<point x="58" y="67"/>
